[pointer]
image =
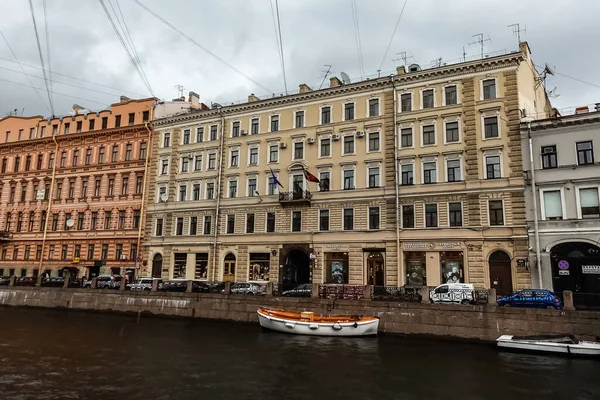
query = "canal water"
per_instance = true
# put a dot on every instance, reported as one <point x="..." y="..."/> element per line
<point x="53" y="354"/>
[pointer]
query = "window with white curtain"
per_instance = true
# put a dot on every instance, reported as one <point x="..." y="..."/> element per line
<point x="552" y="204"/>
<point x="590" y="204"/>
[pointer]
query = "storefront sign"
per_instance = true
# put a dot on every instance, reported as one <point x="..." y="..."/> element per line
<point x="590" y="269"/>
<point x="372" y="246"/>
<point x="415" y="245"/>
<point x="563" y="272"/>
<point x="336" y="246"/>
<point x="421" y="245"/>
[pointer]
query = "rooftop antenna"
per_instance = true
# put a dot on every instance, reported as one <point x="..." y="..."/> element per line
<point x="481" y="41"/>
<point x="437" y="62"/>
<point x="464" y="54"/>
<point x="179" y="90"/>
<point x="517" y="30"/>
<point x="404" y="56"/>
<point x="345" y="78"/>
<point x="326" y="72"/>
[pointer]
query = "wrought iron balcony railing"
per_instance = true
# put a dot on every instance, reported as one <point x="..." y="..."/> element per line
<point x="295" y="197"/>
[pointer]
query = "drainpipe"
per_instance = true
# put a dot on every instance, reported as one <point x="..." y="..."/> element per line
<point x="142" y="209"/>
<point x="399" y="261"/>
<point x="50" y="198"/>
<point x="221" y="149"/>
<point x="535" y="208"/>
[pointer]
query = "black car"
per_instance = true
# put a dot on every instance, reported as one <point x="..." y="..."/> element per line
<point x="55" y="281"/>
<point x="26" y="281"/>
<point x="4" y="280"/>
<point x="304" y="290"/>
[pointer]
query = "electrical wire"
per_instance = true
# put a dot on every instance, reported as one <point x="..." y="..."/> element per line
<point x="173" y="27"/>
<point x="358" y="42"/>
<point x="37" y="37"/>
<point x="281" y="46"/>
<point x="393" y="33"/>
<point x="23" y="71"/>
<point x="276" y="34"/>
<point x="58" y="93"/>
<point x="47" y="44"/>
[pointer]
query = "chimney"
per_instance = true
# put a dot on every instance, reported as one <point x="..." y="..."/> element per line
<point x="582" y="110"/>
<point x="334" y="82"/>
<point x="124" y="99"/>
<point x="194" y="99"/>
<point x="252" y="98"/>
<point x="401" y="70"/>
<point x="304" y="88"/>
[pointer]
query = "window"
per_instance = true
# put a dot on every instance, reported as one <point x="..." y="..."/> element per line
<point x="450" y="94"/>
<point x="298" y="150"/>
<point x="453" y="170"/>
<point x="552" y="204"/>
<point x="213" y="132"/>
<point x="104" y="122"/>
<point x="492" y="167"/>
<point x="145" y="116"/>
<point x="27" y="252"/>
<point x="235" y="129"/>
<point x="323" y="220"/>
<point x="101" y="155"/>
<point x="63" y="161"/>
<point x="186" y="136"/>
<point x="84" y="186"/>
<point x="31" y="133"/>
<point x="429" y="172"/>
<point x="107" y="218"/>
<point x="198" y="162"/>
<point x="348" y="179"/>
<point x="117" y="121"/>
<point x="71" y="189"/>
<point x="490" y="125"/>
<point x="489" y="89"/>
<point x="63" y="252"/>
<point x="40" y="160"/>
<point x="324" y="178"/>
<point x="31" y="220"/>
<point x="232" y="189"/>
<point x="373" y="107"/>
<point x="23" y="192"/>
<point x="92" y="124"/>
<point x="59" y="187"/>
<point x="326" y="115"/>
<point x="111" y="186"/>
<point x="38" y="252"/>
<point x="252" y="187"/>
<point x="207" y="224"/>
<point x="122" y="219"/>
<point x="431" y="215"/>
<point x="249" y="223"/>
<point x="428" y="135"/>
<point x="125" y="185"/>
<point x="19" y="221"/>
<point x="549" y="157"/>
<point x="348" y="145"/>
<point x="374" y="141"/>
<point x="8" y="221"/>
<point x="131" y="118"/>
<point x="167" y="140"/>
<point x="373" y="217"/>
<point x="407" y="174"/>
<point x="230" y="223"/>
<point x="51" y="160"/>
<point x="496" y="212"/>
<point x="115" y="153"/>
<point x="13" y="189"/>
<point x="296" y="221"/>
<point x="159" y="227"/>
<point x="182" y="192"/>
<point x="590" y="206"/>
<point x="50" y="253"/>
<point x="254" y="156"/>
<point x="94" y="220"/>
<point x="299" y="119"/>
<point x="133" y="251"/>
<point x="80" y="221"/>
<point x="274" y="123"/>
<point x="254" y="126"/>
<point x="348" y="111"/>
<point x="196" y="191"/>
<point x="179" y="226"/>
<point x="585" y="153"/>
<point x="104" y="254"/>
<point x="234" y="158"/>
<point x="90" y="254"/>
<point x="136" y="219"/>
<point x="88" y="157"/>
<point x="270" y="222"/>
<point x="212" y="161"/>
<point x="406" y="102"/>
<point x="185" y="164"/>
<point x="210" y="190"/>
<point x="455" y="214"/>
<point x="428" y="98"/>
<point x="373" y="177"/>
<point x="348" y="219"/>
<point x="28" y="161"/>
<point x="164" y="167"/>
<point x="273" y="187"/>
<point x="199" y="134"/>
<point x="274" y="153"/>
<point x="79" y="127"/>
<point x="406" y="137"/>
<point x="128" y="151"/>
<point x="452" y="132"/>
<point x="193" y="225"/>
<point x="54" y="222"/>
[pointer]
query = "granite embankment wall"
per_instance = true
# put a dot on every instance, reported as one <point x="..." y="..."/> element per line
<point x="461" y="321"/>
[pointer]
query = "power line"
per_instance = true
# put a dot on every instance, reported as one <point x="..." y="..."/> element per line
<point x="358" y="43"/>
<point x="23" y="69"/>
<point x="578" y="80"/>
<point x="276" y="35"/>
<point x="199" y="45"/>
<point x="393" y="33"/>
<point x="58" y="93"/>
<point x="48" y="44"/>
<point x="281" y="46"/>
<point x="37" y="37"/>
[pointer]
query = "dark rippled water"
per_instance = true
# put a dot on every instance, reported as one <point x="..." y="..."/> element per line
<point x="75" y="355"/>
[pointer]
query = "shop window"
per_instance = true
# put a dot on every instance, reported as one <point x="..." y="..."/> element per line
<point x="452" y="266"/>
<point x="179" y="265"/>
<point x="336" y="265"/>
<point x="201" y="271"/>
<point x="260" y="264"/>
<point x="416" y="272"/>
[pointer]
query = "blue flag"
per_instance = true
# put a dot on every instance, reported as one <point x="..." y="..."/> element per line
<point x="275" y="180"/>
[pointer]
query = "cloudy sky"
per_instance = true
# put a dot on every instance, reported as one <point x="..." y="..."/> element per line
<point x="84" y="45"/>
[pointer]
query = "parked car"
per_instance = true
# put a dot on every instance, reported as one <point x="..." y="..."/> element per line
<point x="144" y="284"/>
<point x="55" y="281"/>
<point x="457" y="293"/>
<point x="247" y="288"/>
<point x="105" y="282"/>
<point x="26" y="281"/>
<point x="174" y="286"/>
<point x="304" y="290"/>
<point x="4" y="280"/>
<point x="534" y="298"/>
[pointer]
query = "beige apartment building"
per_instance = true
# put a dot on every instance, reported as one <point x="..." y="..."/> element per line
<point x="420" y="182"/>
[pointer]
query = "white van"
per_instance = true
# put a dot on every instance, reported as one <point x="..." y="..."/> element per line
<point x="458" y="293"/>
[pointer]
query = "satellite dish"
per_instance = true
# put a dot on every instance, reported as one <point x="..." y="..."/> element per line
<point x="70" y="223"/>
<point x="164" y="197"/>
<point x="215" y="105"/>
<point x="549" y="70"/>
<point x="345" y="77"/>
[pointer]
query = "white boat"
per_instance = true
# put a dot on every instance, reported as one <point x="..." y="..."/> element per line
<point x="306" y="323"/>
<point x="563" y="344"/>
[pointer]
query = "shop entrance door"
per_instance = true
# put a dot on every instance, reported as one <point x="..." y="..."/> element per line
<point x="375" y="269"/>
<point x="229" y="268"/>
<point x="157" y="262"/>
<point x="500" y="273"/>
<point x="297" y="268"/>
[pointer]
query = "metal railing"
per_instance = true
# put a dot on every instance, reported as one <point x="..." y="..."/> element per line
<point x="296" y="195"/>
<point x="292" y="290"/>
<point x="585" y="301"/>
<point x="346" y="292"/>
<point x="394" y="293"/>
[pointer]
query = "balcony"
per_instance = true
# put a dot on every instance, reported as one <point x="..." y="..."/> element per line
<point x="4" y="236"/>
<point x="295" y="198"/>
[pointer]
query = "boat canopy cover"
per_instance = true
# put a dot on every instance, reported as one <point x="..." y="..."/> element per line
<point x="549" y="338"/>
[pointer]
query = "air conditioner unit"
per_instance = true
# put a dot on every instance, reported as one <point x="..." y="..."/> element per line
<point x="311" y="140"/>
<point x="244" y="132"/>
<point x="123" y="257"/>
<point x="360" y="134"/>
<point x="336" y="137"/>
<point x="282" y="146"/>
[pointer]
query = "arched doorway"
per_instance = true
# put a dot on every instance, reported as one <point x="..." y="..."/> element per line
<point x="500" y="273"/>
<point x="375" y="274"/>
<point x="575" y="267"/>
<point x="297" y="267"/>
<point x="229" y="268"/>
<point x="157" y="262"/>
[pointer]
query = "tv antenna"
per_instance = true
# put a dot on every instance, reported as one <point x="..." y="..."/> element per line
<point x="326" y="72"/>
<point x="517" y="30"/>
<point x="404" y="56"/>
<point x="464" y="54"/>
<point x="437" y="62"/>
<point x="481" y="41"/>
<point x="179" y="90"/>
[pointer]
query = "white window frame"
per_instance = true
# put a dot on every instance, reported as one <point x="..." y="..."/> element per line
<point x="162" y="234"/>
<point x="503" y="212"/>
<point x="206" y="189"/>
<point x="158" y="187"/>
<point x="410" y="162"/>
<point x="237" y="191"/>
<point x="292" y="211"/>
<point x="248" y="194"/>
<point x="413" y="141"/>
<point x="344" y="136"/>
<point x="250" y="148"/>
<point x="493" y="153"/>
<point x="453" y="158"/>
<point x="446" y="121"/>
<point x="181" y="164"/>
<point x="183" y="133"/>
<point x="208" y="161"/>
<point x="485" y="115"/>
<point x="162" y="142"/>
<point x="231" y="130"/>
<point x="271" y="122"/>
<point x="327" y="170"/>
<point x="353" y="102"/>
<point x="368" y="140"/>
<point x="276" y="145"/>
<point x="368" y="100"/>
<point x="321" y="137"/>
<point x="291" y="179"/>
<point x="268" y="181"/>
<point x="347" y="168"/>
<point x="578" y="198"/>
<point x="201" y="155"/>
<point x="486" y="78"/>
<point x="294" y="149"/>
<point x="412" y="101"/>
<point x="462" y="213"/>
<point x="421" y="91"/>
<point x="437" y="172"/>
<point x="196" y="134"/>
<point x="192" y="192"/>
<point x="304" y="120"/>
<point x="187" y="192"/>
<point x="422" y="132"/>
<point x="444" y="94"/>
<point x="160" y="165"/>
<point x="353" y="219"/>
<point x="369" y="166"/>
<point x="321" y="113"/>
<point x="328" y="218"/>
<point x="414" y="207"/>
<point x="437" y="225"/>
<point x="369" y="218"/>
<point x="250" y="126"/>
<point x="563" y="204"/>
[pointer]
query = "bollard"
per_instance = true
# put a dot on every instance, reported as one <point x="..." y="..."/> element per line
<point x="492" y="298"/>
<point x="38" y="282"/>
<point x="123" y="284"/>
<point x="568" y="300"/>
<point x="190" y="287"/>
<point x="227" y="288"/>
<point x="425" y="299"/>
<point x="315" y="291"/>
<point x="67" y="279"/>
<point x="11" y="281"/>
<point x="368" y="292"/>
<point x="94" y="284"/>
<point x="269" y="289"/>
<point x="155" y="285"/>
